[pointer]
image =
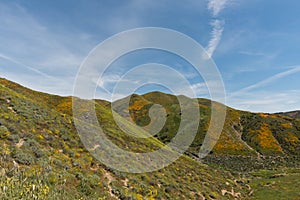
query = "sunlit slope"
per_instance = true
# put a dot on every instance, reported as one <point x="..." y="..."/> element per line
<point x="244" y="133"/>
<point x="40" y="146"/>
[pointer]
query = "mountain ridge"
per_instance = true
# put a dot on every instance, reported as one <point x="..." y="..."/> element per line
<point x="63" y="104"/>
<point x="236" y="123"/>
<point x="292" y="114"/>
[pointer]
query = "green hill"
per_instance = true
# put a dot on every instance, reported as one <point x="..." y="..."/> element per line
<point x="245" y="136"/>
<point x="42" y="157"/>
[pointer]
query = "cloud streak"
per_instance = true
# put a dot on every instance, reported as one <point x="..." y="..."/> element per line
<point x="216" y="34"/>
<point x="26" y="38"/>
<point x="267" y="80"/>
<point x="216" y="6"/>
<point x="26" y="66"/>
<point x="265" y="101"/>
<point x="34" y="78"/>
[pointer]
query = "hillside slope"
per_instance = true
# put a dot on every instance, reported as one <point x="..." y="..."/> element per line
<point x="42" y="157"/>
<point x="292" y="114"/>
<point x="251" y="135"/>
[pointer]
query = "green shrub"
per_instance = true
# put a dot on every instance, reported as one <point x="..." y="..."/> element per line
<point x="3" y="132"/>
<point x="22" y="157"/>
<point x="14" y="138"/>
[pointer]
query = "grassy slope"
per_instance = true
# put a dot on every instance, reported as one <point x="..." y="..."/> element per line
<point x="249" y="141"/>
<point x="244" y="133"/>
<point x="280" y="184"/>
<point x="42" y="157"/>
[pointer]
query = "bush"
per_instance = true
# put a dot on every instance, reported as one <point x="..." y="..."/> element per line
<point x="22" y="157"/>
<point x="3" y="132"/>
<point x="13" y="138"/>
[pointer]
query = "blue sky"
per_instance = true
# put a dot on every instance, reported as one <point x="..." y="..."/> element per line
<point x="254" y="43"/>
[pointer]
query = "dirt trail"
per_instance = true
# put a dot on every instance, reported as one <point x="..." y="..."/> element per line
<point x="108" y="176"/>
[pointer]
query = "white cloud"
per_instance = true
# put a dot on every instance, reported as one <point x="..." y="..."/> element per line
<point x="264" y="101"/>
<point x="26" y="39"/>
<point x="148" y="74"/>
<point x="215" y="6"/>
<point x="257" y="100"/>
<point x="271" y="79"/>
<point x="252" y="53"/>
<point x="199" y="87"/>
<point x="216" y="34"/>
<point x="36" y="81"/>
<point x="34" y="78"/>
<point x="26" y="66"/>
<point x="36" y="55"/>
<point x="113" y="78"/>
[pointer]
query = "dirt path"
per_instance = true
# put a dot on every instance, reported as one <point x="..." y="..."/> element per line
<point x="108" y="176"/>
<point x="239" y="135"/>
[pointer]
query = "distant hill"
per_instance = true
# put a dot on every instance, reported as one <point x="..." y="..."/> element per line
<point x="42" y="157"/>
<point x="244" y="133"/>
<point x="292" y="114"/>
<point x="253" y="140"/>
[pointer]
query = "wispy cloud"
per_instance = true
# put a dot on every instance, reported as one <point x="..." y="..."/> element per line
<point x="215" y="6"/>
<point x="33" y="78"/>
<point x="271" y="79"/>
<point x="264" y="101"/>
<point x="36" y="55"/>
<point x="26" y="39"/>
<point x="251" y="53"/>
<point x="216" y="34"/>
<point x="2" y="56"/>
<point x="254" y="99"/>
